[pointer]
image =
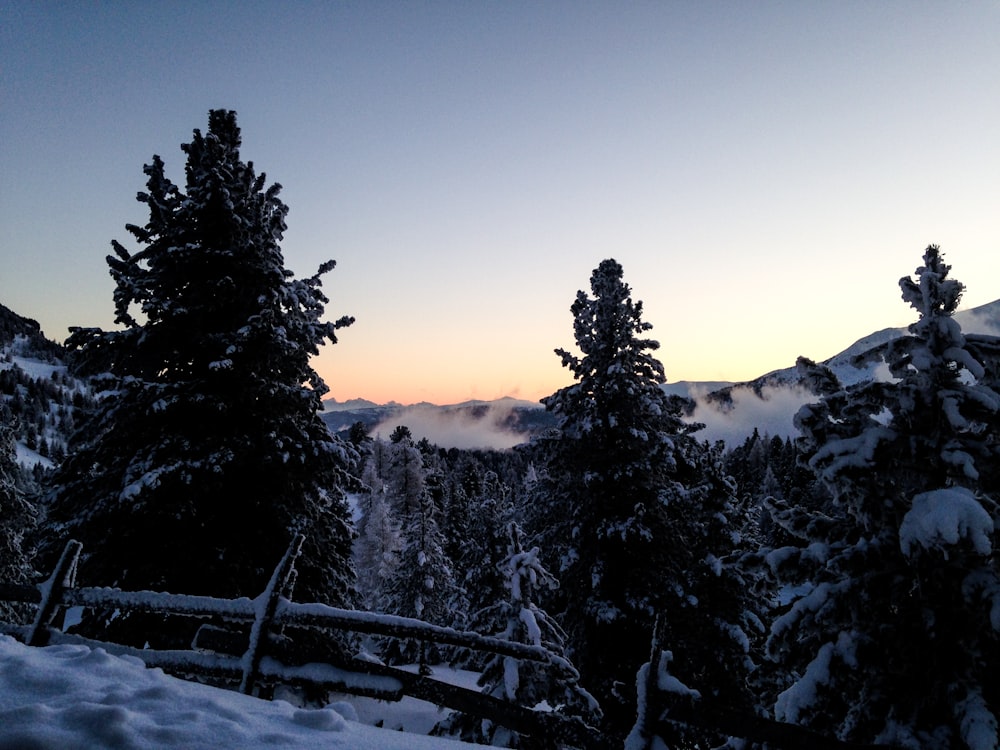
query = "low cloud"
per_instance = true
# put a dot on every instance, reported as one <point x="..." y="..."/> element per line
<point x="770" y="413"/>
<point x="488" y="426"/>
<point x="485" y="426"/>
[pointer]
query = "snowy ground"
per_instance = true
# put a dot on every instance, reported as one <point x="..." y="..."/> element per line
<point x="76" y="698"/>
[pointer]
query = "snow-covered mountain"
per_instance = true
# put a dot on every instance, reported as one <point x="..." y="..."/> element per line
<point x="38" y="396"/>
<point x="769" y="402"/>
<point x="862" y="360"/>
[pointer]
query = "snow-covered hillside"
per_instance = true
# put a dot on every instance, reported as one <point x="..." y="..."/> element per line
<point x="861" y="360"/>
<point x="769" y="403"/>
<point x="38" y="396"/>
<point x="74" y="698"/>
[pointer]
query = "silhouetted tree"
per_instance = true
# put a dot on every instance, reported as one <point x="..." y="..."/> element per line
<point x="636" y="512"/>
<point x="895" y="633"/>
<point x="207" y="452"/>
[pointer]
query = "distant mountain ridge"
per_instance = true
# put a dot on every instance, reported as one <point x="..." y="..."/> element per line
<point x="861" y="361"/>
<point x="332" y="404"/>
<point x="354" y="404"/>
<point x="28" y="332"/>
<point x="33" y="374"/>
<point x="507" y="413"/>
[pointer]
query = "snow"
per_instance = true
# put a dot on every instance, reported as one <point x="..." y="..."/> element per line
<point x="941" y="518"/>
<point x="34" y="368"/>
<point x="511" y="678"/>
<point x="977" y="722"/>
<point x="853" y="452"/>
<point x="533" y="632"/>
<point x="68" y="696"/>
<point x="667" y="682"/>
<point x="805" y="692"/>
<point x="27" y="457"/>
<point x="714" y="563"/>
<point x="412" y="714"/>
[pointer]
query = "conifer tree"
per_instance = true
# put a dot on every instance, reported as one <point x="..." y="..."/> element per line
<point x="423" y="584"/>
<point x="484" y="548"/>
<point x="526" y="683"/>
<point x="17" y="519"/>
<point x="457" y="516"/>
<point x="896" y="636"/>
<point x="207" y="453"/>
<point x="635" y="511"/>
<point x="405" y="477"/>
<point x="378" y="545"/>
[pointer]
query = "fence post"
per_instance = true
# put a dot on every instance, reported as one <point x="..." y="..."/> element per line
<point x="63" y="576"/>
<point x="266" y="605"/>
<point x="647" y="694"/>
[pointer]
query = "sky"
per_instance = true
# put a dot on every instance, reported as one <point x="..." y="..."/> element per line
<point x="765" y="172"/>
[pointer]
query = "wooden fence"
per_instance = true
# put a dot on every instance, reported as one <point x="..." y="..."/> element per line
<point x="267" y="614"/>
<point x="660" y="710"/>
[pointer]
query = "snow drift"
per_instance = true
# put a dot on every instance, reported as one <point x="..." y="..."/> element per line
<point x="73" y="697"/>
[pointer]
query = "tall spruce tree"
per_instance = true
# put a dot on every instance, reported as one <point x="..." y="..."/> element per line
<point x="636" y="511"/>
<point x="377" y="547"/>
<point x="483" y="550"/>
<point x="206" y="452"/>
<point x="423" y="585"/>
<point x="895" y="636"/>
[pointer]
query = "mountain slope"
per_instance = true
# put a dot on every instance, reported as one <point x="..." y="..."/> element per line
<point x="38" y="395"/>
<point x="508" y="416"/>
<point x="769" y="402"/>
<point x="863" y="359"/>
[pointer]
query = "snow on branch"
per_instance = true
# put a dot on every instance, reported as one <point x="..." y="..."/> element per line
<point x="942" y="518"/>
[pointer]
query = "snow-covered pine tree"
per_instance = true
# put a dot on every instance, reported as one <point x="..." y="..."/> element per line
<point x="17" y="520"/>
<point x="423" y="584"/>
<point x="636" y="512"/>
<point x="526" y="683"/>
<point x="767" y="476"/>
<point x="895" y="635"/>
<point x="206" y="452"/>
<point x="405" y="472"/>
<point x="463" y="486"/>
<point x="377" y="547"/>
<point x="482" y="551"/>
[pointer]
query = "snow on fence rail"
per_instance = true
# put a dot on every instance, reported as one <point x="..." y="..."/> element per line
<point x="270" y="610"/>
<point x="663" y="701"/>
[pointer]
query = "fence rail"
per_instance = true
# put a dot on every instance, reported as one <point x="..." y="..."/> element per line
<point x="269" y="612"/>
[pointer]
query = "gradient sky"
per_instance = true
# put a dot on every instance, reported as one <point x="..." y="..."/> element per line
<point x="764" y="171"/>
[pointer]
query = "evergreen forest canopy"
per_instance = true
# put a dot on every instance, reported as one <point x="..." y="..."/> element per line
<point x="845" y="582"/>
